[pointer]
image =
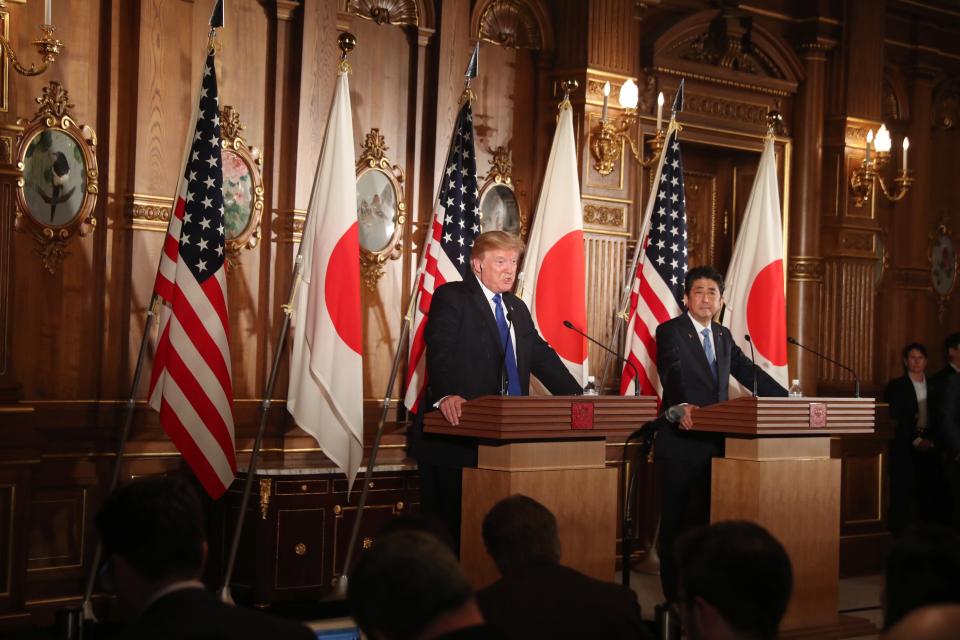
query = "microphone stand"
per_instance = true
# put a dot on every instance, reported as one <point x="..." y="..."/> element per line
<point x="754" y="360"/>
<point x="636" y="373"/>
<point x="856" y="378"/>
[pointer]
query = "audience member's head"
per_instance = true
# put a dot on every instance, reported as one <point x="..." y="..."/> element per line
<point x="934" y="622"/>
<point x="923" y="568"/>
<point x="153" y="535"/>
<point x="734" y="580"/>
<point x="518" y="532"/>
<point x="409" y="585"/>
<point x="425" y="522"/>
<point x="951" y="349"/>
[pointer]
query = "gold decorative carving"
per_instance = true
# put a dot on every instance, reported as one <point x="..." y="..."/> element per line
<point x="289" y="224"/>
<point x="604" y="216"/>
<point x="726" y="50"/>
<point x="6" y="150"/>
<point x="395" y="12"/>
<point x="501" y="210"/>
<point x="726" y="109"/>
<point x="50" y="134"/>
<point x="367" y="542"/>
<point x="946" y="104"/>
<point x="748" y="86"/>
<point x="300" y="549"/>
<point x="805" y="268"/>
<point x="265" y="484"/>
<point x="857" y="240"/>
<point x="251" y="158"/>
<point x="379" y="181"/>
<point x="148" y="213"/>
<point x="510" y="23"/>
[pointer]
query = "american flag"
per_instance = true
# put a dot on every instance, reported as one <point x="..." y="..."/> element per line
<point x="456" y="222"/>
<point x="657" y="293"/>
<point x="191" y="383"/>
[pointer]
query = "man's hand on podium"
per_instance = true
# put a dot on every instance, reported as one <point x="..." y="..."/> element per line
<point x="451" y="407"/>
<point x="686" y="421"/>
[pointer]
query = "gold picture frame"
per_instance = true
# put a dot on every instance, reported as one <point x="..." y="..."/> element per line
<point x="242" y="187"/>
<point x="381" y="209"/>
<point x="499" y="206"/>
<point x="59" y="181"/>
<point x="943" y="265"/>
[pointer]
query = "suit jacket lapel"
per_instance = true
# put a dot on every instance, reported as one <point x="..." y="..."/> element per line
<point x="482" y="308"/>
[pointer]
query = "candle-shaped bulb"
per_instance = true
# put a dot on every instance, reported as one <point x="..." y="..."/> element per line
<point x="606" y="98"/>
<point x="48" y="12"/>
<point x="659" y="110"/>
<point x="906" y="145"/>
<point x="882" y="142"/>
<point x="629" y="94"/>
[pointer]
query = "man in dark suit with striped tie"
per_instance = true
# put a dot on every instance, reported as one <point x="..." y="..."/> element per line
<point x="695" y="359"/>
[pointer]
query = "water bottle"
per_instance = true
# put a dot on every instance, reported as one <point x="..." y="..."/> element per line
<point x="795" y="391"/>
<point x="591" y="388"/>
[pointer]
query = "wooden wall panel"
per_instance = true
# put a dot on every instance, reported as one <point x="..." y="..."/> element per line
<point x="607" y="262"/>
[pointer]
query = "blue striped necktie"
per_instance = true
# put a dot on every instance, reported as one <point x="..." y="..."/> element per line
<point x="510" y="360"/>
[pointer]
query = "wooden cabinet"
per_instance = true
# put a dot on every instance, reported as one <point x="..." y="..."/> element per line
<point x="298" y="525"/>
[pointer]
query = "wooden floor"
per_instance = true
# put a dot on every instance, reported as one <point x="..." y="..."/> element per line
<point x="859" y="597"/>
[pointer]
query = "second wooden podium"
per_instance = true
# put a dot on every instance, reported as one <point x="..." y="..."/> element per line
<point x="777" y="471"/>
<point x="553" y="449"/>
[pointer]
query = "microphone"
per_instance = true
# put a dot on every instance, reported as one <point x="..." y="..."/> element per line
<point x="856" y="378"/>
<point x="636" y="373"/>
<point x="753" y="359"/>
<point x="504" y="382"/>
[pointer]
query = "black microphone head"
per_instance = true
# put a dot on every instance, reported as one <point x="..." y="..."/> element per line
<point x="568" y="324"/>
<point x="746" y="337"/>
<point x="792" y="340"/>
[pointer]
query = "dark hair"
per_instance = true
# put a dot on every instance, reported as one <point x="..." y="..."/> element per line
<point x="425" y="522"/>
<point x="952" y="342"/>
<point x="914" y="346"/>
<point x="740" y="569"/>
<point x="519" y="531"/>
<point x="403" y="583"/>
<point x="697" y="273"/>
<point x="923" y="568"/>
<point x="155" y="524"/>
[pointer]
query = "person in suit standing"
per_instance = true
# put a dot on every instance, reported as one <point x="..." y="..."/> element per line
<point x="915" y="478"/>
<point x="943" y="403"/>
<point x="155" y="548"/>
<point x="695" y="359"/>
<point x="480" y="339"/>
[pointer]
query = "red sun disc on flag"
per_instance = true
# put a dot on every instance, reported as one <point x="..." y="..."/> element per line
<point x="342" y="289"/>
<point x="767" y="314"/>
<point x="560" y="295"/>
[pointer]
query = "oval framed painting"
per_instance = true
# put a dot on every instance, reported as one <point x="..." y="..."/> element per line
<point x="242" y="187"/>
<point x="381" y="208"/>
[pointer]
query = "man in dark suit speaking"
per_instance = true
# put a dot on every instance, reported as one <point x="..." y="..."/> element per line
<point x="695" y="359"/>
<point x="480" y="338"/>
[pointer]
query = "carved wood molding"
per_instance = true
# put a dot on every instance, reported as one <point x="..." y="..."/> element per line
<point x="396" y="12"/>
<point x="517" y="24"/>
<point x="913" y="278"/>
<point x="148" y="213"/>
<point x="805" y="268"/>
<point x="289" y="224"/>
<point x="734" y="110"/>
<point x="604" y="216"/>
<point x="720" y="48"/>
<point x="946" y="104"/>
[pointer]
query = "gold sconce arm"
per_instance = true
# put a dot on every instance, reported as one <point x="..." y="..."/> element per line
<point x="48" y="47"/>
<point x="903" y="183"/>
<point x="869" y="174"/>
<point x="609" y="136"/>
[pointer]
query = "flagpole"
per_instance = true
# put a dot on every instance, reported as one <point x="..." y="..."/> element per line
<point x="346" y="42"/>
<point x="340" y="590"/>
<point x="636" y="262"/>
<point x="131" y="404"/>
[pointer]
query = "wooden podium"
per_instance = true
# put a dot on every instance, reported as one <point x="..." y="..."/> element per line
<point x="777" y="472"/>
<point x="551" y="448"/>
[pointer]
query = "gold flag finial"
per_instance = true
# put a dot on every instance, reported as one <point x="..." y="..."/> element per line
<point x="347" y="42"/>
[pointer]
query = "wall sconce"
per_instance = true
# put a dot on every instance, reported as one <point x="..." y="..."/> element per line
<point x="47" y="46"/>
<point x="607" y="140"/>
<point x="869" y="172"/>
